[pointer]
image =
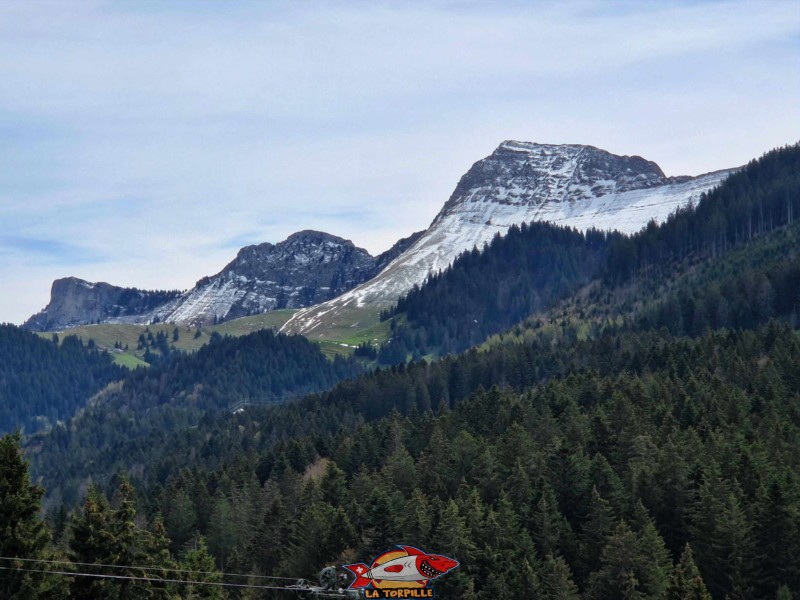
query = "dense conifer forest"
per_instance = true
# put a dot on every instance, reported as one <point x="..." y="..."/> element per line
<point x="132" y="422"/>
<point x="611" y="468"/>
<point x="487" y="291"/>
<point x="43" y="382"/>
<point x="656" y="449"/>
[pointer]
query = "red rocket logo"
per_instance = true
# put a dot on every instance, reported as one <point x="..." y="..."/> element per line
<point x="406" y="568"/>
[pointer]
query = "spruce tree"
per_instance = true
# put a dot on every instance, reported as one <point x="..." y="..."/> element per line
<point x="111" y="537"/>
<point x="180" y="518"/>
<point x="199" y="566"/>
<point x="92" y="542"/>
<point x="723" y="537"/>
<point x="687" y="583"/>
<point x="551" y="530"/>
<point x="783" y="593"/>
<point x="595" y="532"/>
<point x="777" y="531"/>
<point x="620" y="563"/>
<point x="23" y="533"/>
<point x="452" y="535"/>
<point x="656" y="567"/>
<point x="557" y="583"/>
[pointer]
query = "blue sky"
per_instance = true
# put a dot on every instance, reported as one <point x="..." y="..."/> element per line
<point x="143" y="143"/>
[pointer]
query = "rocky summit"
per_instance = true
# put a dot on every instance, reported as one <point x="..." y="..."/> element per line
<point x="307" y="268"/>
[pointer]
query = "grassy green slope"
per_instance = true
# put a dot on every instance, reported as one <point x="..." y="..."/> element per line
<point x="116" y="337"/>
<point x="351" y="326"/>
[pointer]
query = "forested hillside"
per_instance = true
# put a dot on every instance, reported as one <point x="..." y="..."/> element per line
<point x="647" y="455"/>
<point x="638" y="445"/>
<point x="486" y="291"/>
<point x="753" y="202"/>
<point x="638" y="453"/>
<point x="42" y="382"/>
<point x="133" y="423"/>
<point x="538" y="264"/>
<point x="744" y="288"/>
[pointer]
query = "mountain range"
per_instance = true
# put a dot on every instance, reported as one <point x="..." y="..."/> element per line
<point x="307" y="268"/>
<point x="332" y="281"/>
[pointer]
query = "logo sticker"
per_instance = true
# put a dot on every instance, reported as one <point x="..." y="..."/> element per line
<point x="403" y="573"/>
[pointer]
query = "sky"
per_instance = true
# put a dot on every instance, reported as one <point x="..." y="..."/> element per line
<point x="143" y="143"/>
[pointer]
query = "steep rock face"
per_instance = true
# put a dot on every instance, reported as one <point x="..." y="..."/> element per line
<point x="76" y="302"/>
<point x="526" y="174"/>
<point x="575" y="185"/>
<point x="307" y="268"/>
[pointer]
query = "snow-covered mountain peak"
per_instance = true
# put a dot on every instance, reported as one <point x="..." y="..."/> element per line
<point x="570" y="184"/>
<point x="529" y="174"/>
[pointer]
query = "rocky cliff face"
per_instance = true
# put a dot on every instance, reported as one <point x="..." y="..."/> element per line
<point x="579" y="186"/>
<point x="76" y="302"/>
<point x="307" y="268"/>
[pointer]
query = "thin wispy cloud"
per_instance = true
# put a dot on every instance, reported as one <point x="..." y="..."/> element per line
<point x="34" y="252"/>
<point x="159" y="134"/>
